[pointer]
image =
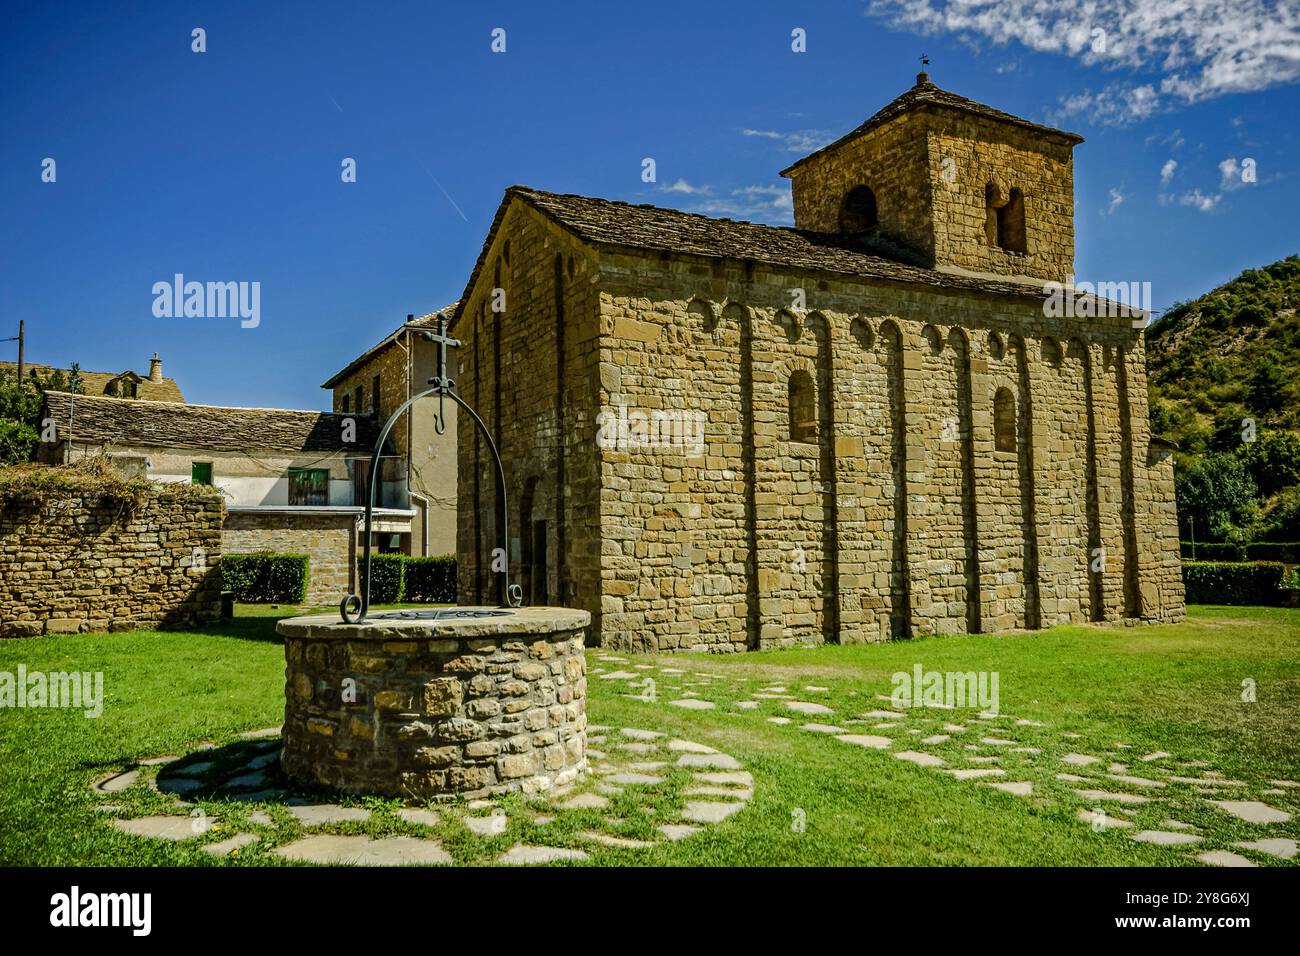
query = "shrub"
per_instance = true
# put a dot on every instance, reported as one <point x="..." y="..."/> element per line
<point x="431" y="580"/>
<point x="1288" y="552"/>
<point x="266" y="578"/>
<point x="1213" y="551"/>
<point x="389" y="577"/>
<point x="1273" y="460"/>
<point x="1225" y="582"/>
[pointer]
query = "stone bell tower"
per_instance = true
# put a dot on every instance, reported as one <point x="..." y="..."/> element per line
<point x="963" y="186"/>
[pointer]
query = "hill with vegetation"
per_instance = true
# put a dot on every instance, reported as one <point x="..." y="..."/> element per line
<point x="1224" y="378"/>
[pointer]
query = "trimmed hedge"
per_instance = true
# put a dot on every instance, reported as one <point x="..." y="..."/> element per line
<point x="1233" y="582"/>
<point x="266" y="578"/>
<point x="401" y="578"/>
<point x="389" y="572"/>
<point x="1213" y="551"/>
<point x="431" y="580"/>
<point x="1288" y="552"/>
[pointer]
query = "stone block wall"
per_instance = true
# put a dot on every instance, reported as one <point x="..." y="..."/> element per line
<point x="899" y="516"/>
<point x="328" y="540"/>
<point x="75" y="562"/>
<point x="531" y="372"/>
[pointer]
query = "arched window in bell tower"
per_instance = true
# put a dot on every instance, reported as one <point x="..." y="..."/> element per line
<point x="858" y="211"/>
<point x="1005" y="218"/>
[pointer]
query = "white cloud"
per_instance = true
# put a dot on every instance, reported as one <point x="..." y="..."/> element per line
<point x="1196" y="49"/>
<point x="1116" y="200"/>
<point x="1199" y="200"/>
<point x="797" y="141"/>
<point x="768" y="204"/>
<point x="1167" y="171"/>
<point x="1236" y="175"/>
<point x="682" y="186"/>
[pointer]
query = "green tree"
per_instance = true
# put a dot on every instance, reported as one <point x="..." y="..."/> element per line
<point x="1273" y="460"/>
<point x="20" y="410"/>
<point x="1216" y="498"/>
<point x="1267" y="382"/>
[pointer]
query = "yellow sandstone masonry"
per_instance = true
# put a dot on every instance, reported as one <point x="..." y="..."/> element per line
<point x="898" y="438"/>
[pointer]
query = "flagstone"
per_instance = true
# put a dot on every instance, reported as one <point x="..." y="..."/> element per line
<point x="227" y="846"/>
<point x="709" y="811"/>
<point x="1072" y="778"/>
<point x="954" y="728"/>
<point x="422" y="816"/>
<point x="1289" y="784"/>
<point x="677" y="831"/>
<point x="936" y="739"/>
<point x="804" y="707"/>
<point x="1274" y="846"/>
<point x="164" y="827"/>
<point x="1135" y="781"/>
<point x="774" y="689"/>
<point x="1165" y="837"/>
<point x="817" y="690"/>
<point x="1026" y="750"/>
<point x="1224" y="858"/>
<point x="1024" y="722"/>
<point x="1157" y="755"/>
<point x="974" y="773"/>
<point x="693" y="703"/>
<point x="1072" y="736"/>
<point x="638" y="779"/>
<point x="690" y="746"/>
<point x="158" y="761"/>
<point x="178" y="785"/>
<point x="866" y="740"/>
<point x="490" y="826"/>
<point x="322" y="813"/>
<point x="720" y="761"/>
<point x="824" y="729"/>
<point x="638" y="747"/>
<point x="1252" y="811"/>
<point x="621" y="843"/>
<point x="333" y="849"/>
<point x="996" y="741"/>
<point x="731" y="793"/>
<point x="887" y="725"/>
<point x="118" y="782"/>
<point x="742" y="777"/>
<point x="1107" y="795"/>
<point x="586" y="801"/>
<point x="974" y="758"/>
<point x="618" y="675"/>
<point x="747" y="704"/>
<point x="1018" y="788"/>
<point x="637" y="734"/>
<point x="262" y="732"/>
<point x="1207" y="782"/>
<point x="884" y="713"/>
<point x="1101" y="820"/>
<point x="247" y="781"/>
<point x="1079" y="760"/>
<point x="920" y="759"/>
<point x="647" y="766"/>
<point x="779" y="720"/>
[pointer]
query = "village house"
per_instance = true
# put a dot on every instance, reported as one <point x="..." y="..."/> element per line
<point x="420" y="475"/>
<point x="289" y="477"/>
<point x="125" y="384"/>
<point x="898" y="439"/>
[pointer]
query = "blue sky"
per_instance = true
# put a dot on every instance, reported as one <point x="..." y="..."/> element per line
<point x="225" y="165"/>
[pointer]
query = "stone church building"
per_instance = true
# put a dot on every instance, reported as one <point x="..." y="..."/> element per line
<point x="897" y="436"/>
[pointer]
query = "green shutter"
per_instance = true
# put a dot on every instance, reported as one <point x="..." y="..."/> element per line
<point x="201" y="473"/>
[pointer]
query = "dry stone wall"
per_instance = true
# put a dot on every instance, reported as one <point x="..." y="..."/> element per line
<point x="73" y="562"/>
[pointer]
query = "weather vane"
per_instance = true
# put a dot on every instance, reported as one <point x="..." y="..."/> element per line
<point x="925" y="59"/>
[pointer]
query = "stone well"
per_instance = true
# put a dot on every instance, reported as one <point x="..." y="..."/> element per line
<point x="436" y="703"/>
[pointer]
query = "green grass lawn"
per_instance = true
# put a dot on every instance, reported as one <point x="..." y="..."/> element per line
<point x="1176" y="689"/>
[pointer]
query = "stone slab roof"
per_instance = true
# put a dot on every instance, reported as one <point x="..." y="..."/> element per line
<point x="611" y="223"/>
<point x="925" y="95"/>
<point x="98" y="383"/>
<point x="429" y="320"/>
<point x="127" y="421"/>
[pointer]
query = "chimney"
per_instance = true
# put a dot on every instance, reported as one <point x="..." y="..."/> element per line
<point x="155" y="369"/>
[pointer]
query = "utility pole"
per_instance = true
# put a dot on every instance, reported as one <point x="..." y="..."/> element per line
<point x="19" y="339"/>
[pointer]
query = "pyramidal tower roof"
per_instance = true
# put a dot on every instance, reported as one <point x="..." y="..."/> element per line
<point x="925" y="95"/>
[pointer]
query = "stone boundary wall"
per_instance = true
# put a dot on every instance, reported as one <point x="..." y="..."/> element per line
<point x="436" y="709"/>
<point x="76" y="562"/>
<point x="328" y="540"/>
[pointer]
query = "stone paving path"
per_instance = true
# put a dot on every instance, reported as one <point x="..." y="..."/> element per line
<point x="1112" y="788"/>
<point x="645" y="788"/>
